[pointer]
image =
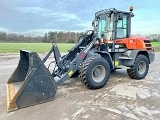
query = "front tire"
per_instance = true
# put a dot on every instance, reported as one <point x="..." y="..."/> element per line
<point x="94" y="72"/>
<point x="140" y="68"/>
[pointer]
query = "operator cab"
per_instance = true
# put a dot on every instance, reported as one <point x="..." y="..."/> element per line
<point x="111" y="24"/>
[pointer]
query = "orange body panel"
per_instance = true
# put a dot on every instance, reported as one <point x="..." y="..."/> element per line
<point x="133" y="43"/>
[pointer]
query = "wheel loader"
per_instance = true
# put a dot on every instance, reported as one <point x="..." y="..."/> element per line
<point x="109" y="46"/>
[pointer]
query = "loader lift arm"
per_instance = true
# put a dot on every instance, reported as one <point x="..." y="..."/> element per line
<point x="69" y="64"/>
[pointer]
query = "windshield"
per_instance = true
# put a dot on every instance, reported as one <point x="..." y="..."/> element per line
<point x="105" y="27"/>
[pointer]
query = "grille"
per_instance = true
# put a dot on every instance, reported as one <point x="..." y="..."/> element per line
<point x="148" y="45"/>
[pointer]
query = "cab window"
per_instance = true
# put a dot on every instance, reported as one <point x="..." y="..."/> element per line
<point x="101" y="28"/>
<point x="122" y="28"/>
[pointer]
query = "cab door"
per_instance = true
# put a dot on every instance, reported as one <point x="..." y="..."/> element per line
<point x="123" y="32"/>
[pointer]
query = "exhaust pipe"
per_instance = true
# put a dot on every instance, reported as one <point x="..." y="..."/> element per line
<point x="31" y="83"/>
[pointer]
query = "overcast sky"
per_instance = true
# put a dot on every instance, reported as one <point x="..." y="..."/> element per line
<point x="40" y="16"/>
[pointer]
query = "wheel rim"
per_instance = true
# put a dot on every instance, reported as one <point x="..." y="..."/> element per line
<point x="98" y="73"/>
<point x="142" y="67"/>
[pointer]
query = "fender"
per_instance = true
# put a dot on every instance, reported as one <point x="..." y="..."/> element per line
<point x="133" y="54"/>
<point x="106" y="56"/>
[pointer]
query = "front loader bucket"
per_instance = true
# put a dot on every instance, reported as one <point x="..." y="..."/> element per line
<point x="31" y="83"/>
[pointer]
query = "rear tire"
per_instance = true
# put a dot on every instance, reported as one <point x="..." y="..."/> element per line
<point x="140" y="68"/>
<point x="94" y="72"/>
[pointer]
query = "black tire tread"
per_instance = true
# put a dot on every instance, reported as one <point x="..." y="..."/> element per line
<point x="83" y="71"/>
<point x="132" y="72"/>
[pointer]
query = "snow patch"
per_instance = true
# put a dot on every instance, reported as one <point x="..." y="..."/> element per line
<point x="78" y="112"/>
<point x="86" y="116"/>
<point x="113" y="110"/>
<point x="66" y="119"/>
<point x="131" y="116"/>
<point x="142" y="109"/>
<point x="131" y="91"/>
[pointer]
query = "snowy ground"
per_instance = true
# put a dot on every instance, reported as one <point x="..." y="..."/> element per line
<point x="122" y="98"/>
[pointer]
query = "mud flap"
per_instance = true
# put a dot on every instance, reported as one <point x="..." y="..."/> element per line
<point x="31" y="83"/>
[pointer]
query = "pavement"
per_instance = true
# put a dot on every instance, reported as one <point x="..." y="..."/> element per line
<point x="121" y="98"/>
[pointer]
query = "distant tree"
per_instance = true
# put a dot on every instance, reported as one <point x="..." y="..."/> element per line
<point x="71" y="41"/>
<point x="45" y="39"/>
<point x="154" y="37"/>
<point x="3" y="36"/>
<point x="51" y="36"/>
